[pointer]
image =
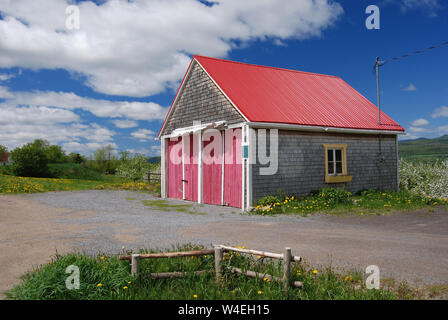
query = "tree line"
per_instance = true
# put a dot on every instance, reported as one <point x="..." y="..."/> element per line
<point x="42" y="159"/>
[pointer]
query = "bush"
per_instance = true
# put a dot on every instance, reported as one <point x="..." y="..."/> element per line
<point x="30" y="160"/>
<point x="133" y="168"/>
<point x="268" y="200"/>
<point x="6" y="170"/>
<point x="425" y="179"/>
<point x="335" y="196"/>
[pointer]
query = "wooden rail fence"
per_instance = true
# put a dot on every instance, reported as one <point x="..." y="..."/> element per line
<point x="218" y="252"/>
<point x="153" y="175"/>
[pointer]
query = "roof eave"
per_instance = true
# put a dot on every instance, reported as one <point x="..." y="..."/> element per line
<point x="285" y="126"/>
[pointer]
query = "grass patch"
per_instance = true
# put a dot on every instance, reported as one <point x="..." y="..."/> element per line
<point x="13" y="184"/>
<point x="337" y="201"/>
<point x="164" y="205"/>
<point x="106" y="277"/>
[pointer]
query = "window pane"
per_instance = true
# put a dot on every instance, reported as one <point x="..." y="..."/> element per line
<point x="339" y="167"/>
<point x="338" y="155"/>
<point x="330" y="167"/>
<point x="330" y="154"/>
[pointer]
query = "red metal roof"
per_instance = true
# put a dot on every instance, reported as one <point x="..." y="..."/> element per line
<point x="267" y="94"/>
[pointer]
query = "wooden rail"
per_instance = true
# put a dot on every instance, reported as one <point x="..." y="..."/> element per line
<point x="160" y="255"/>
<point x="287" y="258"/>
<point x="218" y="252"/>
<point x="260" y="253"/>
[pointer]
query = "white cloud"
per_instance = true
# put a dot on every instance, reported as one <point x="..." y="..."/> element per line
<point x="124" y="124"/>
<point x="142" y="47"/>
<point x="419" y="132"/>
<point x="440" y="112"/>
<point x="6" y="77"/>
<point x="418" y="4"/>
<point x="101" y="108"/>
<point x="420" y="122"/>
<point x="410" y="87"/>
<point x="85" y="148"/>
<point x="155" y="150"/>
<point x="5" y="93"/>
<point x="21" y="115"/>
<point x="143" y="134"/>
<point x="13" y="135"/>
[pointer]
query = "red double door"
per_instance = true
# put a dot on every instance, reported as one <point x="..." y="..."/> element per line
<point x="221" y="168"/>
<point x="182" y="169"/>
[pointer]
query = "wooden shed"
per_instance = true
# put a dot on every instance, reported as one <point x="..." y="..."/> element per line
<point x="317" y="131"/>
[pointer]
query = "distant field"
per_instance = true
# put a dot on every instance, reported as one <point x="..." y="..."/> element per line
<point x="424" y="149"/>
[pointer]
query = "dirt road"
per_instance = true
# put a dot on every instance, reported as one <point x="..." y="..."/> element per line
<point x="405" y="246"/>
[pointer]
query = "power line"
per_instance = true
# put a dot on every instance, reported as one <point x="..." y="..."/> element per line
<point x="378" y="64"/>
<point x="382" y="63"/>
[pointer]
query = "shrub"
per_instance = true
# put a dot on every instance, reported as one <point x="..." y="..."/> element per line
<point x="335" y="196"/>
<point x="268" y="200"/>
<point x="133" y="168"/>
<point x="425" y="179"/>
<point x="30" y="160"/>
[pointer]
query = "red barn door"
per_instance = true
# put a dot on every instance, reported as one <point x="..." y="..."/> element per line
<point x="190" y="158"/>
<point x="212" y="167"/>
<point x="233" y="168"/>
<point x="175" y="169"/>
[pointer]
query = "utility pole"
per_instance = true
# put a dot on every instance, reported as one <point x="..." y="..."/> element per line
<point x="378" y="87"/>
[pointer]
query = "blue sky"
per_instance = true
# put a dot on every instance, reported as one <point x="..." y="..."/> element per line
<point x="112" y="80"/>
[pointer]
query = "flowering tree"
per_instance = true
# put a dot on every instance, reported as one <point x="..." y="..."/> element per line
<point x="426" y="179"/>
<point x="133" y="168"/>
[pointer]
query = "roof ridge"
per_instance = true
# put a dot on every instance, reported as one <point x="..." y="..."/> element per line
<point x="267" y="67"/>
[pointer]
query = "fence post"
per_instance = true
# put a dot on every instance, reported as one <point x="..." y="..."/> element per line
<point x="218" y="262"/>
<point x="135" y="264"/>
<point x="286" y="268"/>
<point x="149" y="175"/>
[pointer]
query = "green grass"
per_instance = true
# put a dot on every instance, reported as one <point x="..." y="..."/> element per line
<point x="13" y="184"/>
<point x="424" y="149"/>
<point x="368" y="202"/>
<point x="106" y="277"/>
<point x="165" y="205"/>
<point x="73" y="171"/>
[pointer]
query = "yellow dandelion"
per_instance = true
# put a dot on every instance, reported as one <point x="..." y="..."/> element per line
<point x="260" y="292"/>
<point x="99" y="285"/>
<point x="315" y="271"/>
<point x="195" y="296"/>
<point x="125" y="287"/>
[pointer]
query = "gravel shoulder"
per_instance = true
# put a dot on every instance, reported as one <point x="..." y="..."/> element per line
<point x="406" y="246"/>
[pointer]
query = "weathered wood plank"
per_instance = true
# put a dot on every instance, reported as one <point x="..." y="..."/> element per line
<point x="159" y="255"/>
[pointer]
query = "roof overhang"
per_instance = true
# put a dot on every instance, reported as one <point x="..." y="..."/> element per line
<point x="284" y="126"/>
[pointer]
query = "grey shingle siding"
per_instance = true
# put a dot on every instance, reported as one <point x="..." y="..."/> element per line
<point x="200" y="100"/>
<point x="301" y="164"/>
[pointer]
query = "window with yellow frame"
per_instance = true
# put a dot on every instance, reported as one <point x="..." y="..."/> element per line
<point x="336" y="163"/>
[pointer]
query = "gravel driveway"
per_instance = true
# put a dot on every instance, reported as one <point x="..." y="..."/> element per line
<point x="406" y="246"/>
